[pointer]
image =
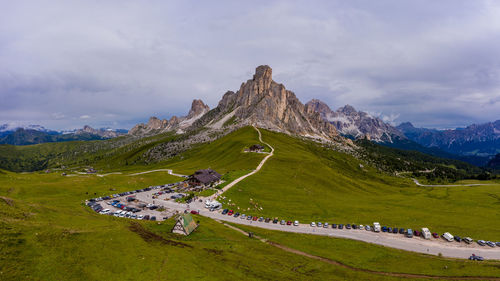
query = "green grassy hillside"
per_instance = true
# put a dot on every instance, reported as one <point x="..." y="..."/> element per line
<point x="47" y="234"/>
<point x="306" y="182"/>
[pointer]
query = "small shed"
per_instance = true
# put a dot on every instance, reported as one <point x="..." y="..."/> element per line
<point x="184" y="224"/>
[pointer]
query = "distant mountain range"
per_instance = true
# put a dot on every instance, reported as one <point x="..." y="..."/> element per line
<point x="34" y="134"/>
<point x="474" y="140"/>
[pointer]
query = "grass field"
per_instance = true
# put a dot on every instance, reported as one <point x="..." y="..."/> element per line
<point x="47" y="234"/>
<point x="306" y="182"/>
<point x="377" y="258"/>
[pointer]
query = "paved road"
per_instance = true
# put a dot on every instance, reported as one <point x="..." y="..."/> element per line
<point x="227" y="187"/>
<point x="397" y="241"/>
<point x="446" y="185"/>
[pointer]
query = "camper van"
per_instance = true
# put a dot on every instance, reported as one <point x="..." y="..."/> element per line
<point x="426" y="234"/>
<point x="376" y="227"/>
<point x="447" y="236"/>
<point x="213" y="205"/>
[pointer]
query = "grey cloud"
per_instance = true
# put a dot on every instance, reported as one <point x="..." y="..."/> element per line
<point x="435" y="63"/>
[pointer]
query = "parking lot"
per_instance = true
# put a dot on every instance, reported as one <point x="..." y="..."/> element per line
<point x="165" y="207"/>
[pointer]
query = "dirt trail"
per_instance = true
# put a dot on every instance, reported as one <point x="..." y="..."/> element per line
<point x="327" y="260"/>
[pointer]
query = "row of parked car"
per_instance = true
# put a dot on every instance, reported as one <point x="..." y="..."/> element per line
<point x="408" y="232"/>
<point x="260" y="219"/>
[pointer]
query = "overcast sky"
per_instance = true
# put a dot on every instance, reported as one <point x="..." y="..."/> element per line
<point x="64" y="64"/>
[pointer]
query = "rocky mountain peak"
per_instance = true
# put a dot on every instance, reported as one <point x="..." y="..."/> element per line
<point x="197" y="108"/>
<point x="349" y="121"/>
<point x="318" y="106"/>
<point x="348" y="109"/>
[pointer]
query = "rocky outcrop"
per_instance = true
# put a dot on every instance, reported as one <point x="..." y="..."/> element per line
<point x="350" y="122"/>
<point x="177" y="124"/>
<point x="267" y="104"/>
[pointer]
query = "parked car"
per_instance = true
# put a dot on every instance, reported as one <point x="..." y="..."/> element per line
<point x="395" y="230"/>
<point x="325" y="225"/>
<point x="468" y="240"/>
<point x="267" y="220"/>
<point x="457" y="238"/>
<point x="319" y="224"/>
<point x="153" y="218"/>
<point x="481" y="242"/>
<point x="146" y="217"/>
<point x="225" y="211"/>
<point x="384" y="228"/>
<point x="368" y="228"/>
<point x="348" y="226"/>
<point x="409" y="233"/>
<point x="255" y="218"/>
<point x="194" y="212"/>
<point x="354" y="226"/>
<point x="236" y="214"/>
<point x="275" y="220"/>
<point x="491" y="244"/>
<point x="389" y="229"/>
<point x="243" y="216"/>
<point x="341" y="226"/>
<point x="334" y="225"/>
<point x="361" y="227"/>
<point x="282" y="222"/>
<point x="261" y="219"/>
<point x="313" y="224"/>
<point x="447" y="236"/>
<point x="249" y="218"/>
<point x="289" y="223"/>
<point x="435" y="235"/>
<point x="140" y="217"/>
<point x="497" y="243"/>
<point x="416" y="233"/>
<point x="230" y="213"/>
<point x="476" y="258"/>
<point x="296" y="223"/>
<point x="402" y="231"/>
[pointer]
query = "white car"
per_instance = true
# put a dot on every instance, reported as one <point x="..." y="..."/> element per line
<point x="296" y="223"/>
<point x="313" y="224"/>
<point x="361" y="227"/>
<point x="140" y="217"/>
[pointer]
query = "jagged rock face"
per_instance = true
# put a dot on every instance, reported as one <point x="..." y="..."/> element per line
<point x="354" y="123"/>
<point x="156" y="126"/>
<point x="267" y="104"/>
<point x="198" y="108"/>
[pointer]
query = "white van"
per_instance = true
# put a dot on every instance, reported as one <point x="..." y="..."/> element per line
<point x="376" y="227"/>
<point x="426" y="234"/>
<point x="447" y="236"/>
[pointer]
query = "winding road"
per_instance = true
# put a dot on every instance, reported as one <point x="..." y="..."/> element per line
<point x="233" y="183"/>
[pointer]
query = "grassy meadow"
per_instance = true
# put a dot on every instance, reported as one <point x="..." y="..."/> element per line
<point x="47" y="234"/>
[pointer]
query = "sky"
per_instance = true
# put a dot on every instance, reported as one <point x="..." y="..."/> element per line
<point x="65" y="64"/>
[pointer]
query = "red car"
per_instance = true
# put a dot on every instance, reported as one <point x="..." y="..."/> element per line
<point x="417" y="233"/>
<point x="230" y="213"/>
<point x="194" y="212"/>
<point x="435" y="235"/>
<point x="255" y="218"/>
<point x="289" y="223"/>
